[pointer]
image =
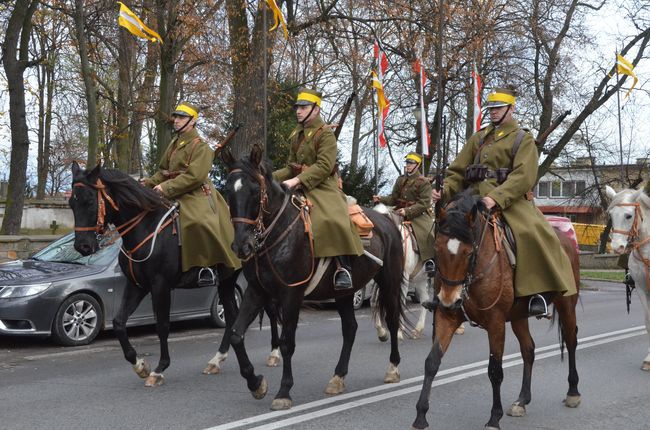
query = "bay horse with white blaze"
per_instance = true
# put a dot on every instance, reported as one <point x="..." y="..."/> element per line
<point x="629" y="211"/>
<point x="272" y="237"/>
<point x="150" y="257"/>
<point x="474" y="281"/>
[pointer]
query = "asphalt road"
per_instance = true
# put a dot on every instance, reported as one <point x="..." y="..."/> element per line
<point x="48" y="387"/>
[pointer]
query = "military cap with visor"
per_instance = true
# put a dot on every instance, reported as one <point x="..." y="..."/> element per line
<point x="186" y="109"/>
<point x="413" y="157"/>
<point x="307" y="96"/>
<point x="501" y="97"/>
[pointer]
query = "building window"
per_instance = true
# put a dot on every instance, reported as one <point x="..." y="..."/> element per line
<point x="568" y="189"/>
<point x="542" y="189"/>
<point x="581" y="186"/>
<point x="556" y="189"/>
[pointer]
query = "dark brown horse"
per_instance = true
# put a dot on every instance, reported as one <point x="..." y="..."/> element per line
<point x="272" y="238"/>
<point x="474" y="280"/>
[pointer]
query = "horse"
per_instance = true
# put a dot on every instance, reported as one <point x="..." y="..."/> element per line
<point x="150" y="258"/>
<point x="629" y="211"/>
<point x="414" y="274"/>
<point x="474" y="282"/>
<point x="273" y="239"/>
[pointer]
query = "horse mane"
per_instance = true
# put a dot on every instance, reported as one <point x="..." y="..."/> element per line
<point x="127" y="192"/>
<point x="455" y="222"/>
<point x="253" y="169"/>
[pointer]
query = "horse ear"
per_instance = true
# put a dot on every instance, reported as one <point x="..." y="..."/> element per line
<point x="256" y="155"/>
<point x="75" y="169"/>
<point x="609" y="191"/>
<point x="227" y="158"/>
<point x="94" y="174"/>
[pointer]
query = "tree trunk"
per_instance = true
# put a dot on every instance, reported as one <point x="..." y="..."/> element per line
<point x="15" y="61"/>
<point x="89" y="83"/>
<point x="125" y="59"/>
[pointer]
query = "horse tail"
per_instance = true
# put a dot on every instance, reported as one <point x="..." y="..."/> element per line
<point x="261" y="317"/>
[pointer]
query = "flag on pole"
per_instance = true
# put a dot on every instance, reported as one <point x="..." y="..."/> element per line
<point x="378" y="85"/>
<point x="477" y="86"/>
<point x="424" y="130"/>
<point x="135" y="26"/>
<point x="624" y="67"/>
<point x="278" y="18"/>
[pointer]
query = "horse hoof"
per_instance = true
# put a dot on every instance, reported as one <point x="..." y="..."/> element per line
<point x="154" y="380"/>
<point x="572" y="401"/>
<point x="416" y="334"/>
<point x="400" y="335"/>
<point x="274" y="359"/>
<point x="392" y="375"/>
<point x="491" y="428"/>
<point x="141" y="368"/>
<point x="460" y="330"/>
<point x="211" y="369"/>
<point x="646" y="366"/>
<point x="281" y="404"/>
<point x="383" y="338"/>
<point x="516" y="410"/>
<point x="261" y="390"/>
<point x="335" y="386"/>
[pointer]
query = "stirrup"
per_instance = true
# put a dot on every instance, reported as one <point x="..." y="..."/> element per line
<point x="535" y="309"/>
<point x="346" y="282"/>
<point x="430" y="268"/>
<point x="207" y="277"/>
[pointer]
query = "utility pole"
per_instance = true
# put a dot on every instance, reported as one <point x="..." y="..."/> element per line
<point x="439" y="88"/>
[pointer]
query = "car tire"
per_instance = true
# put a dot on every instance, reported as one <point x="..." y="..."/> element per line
<point x="217" y="316"/>
<point x="359" y="298"/>
<point x="78" y="320"/>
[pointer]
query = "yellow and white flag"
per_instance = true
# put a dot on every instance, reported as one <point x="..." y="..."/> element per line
<point x="624" y="67"/>
<point x="131" y="22"/>
<point x="278" y="18"/>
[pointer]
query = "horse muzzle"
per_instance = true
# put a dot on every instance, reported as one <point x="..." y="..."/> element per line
<point x="245" y="250"/>
<point x="86" y="247"/>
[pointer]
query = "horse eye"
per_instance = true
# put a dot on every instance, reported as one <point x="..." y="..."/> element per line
<point x="628" y="216"/>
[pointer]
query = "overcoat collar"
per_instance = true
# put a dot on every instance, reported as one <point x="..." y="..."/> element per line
<point x="502" y="131"/>
<point x="186" y="137"/>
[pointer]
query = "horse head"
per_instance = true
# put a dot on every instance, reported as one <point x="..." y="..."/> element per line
<point x="626" y="211"/>
<point x="247" y="186"/>
<point x="89" y="203"/>
<point x="456" y="248"/>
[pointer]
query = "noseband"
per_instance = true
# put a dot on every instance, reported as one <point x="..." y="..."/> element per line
<point x="102" y="197"/>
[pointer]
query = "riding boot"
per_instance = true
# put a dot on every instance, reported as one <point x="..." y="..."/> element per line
<point x="207" y="277"/>
<point x="628" y="281"/>
<point x="342" y="276"/>
<point x="537" y="307"/>
<point x="430" y="268"/>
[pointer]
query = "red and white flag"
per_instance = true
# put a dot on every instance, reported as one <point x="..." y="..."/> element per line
<point x="378" y="85"/>
<point x="424" y="130"/>
<point x="477" y="86"/>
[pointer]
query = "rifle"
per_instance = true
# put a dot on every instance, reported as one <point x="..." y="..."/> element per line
<point x="344" y="115"/>
<point x="226" y="141"/>
<point x="541" y="139"/>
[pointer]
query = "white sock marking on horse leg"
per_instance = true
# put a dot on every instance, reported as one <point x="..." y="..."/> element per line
<point x="218" y="359"/>
<point x="453" y="246"/>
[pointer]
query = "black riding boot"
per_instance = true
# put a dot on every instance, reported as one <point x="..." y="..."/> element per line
<point x="207" y="277"/>
<point x="537" y="306"/>
<point x="342" y="276"/>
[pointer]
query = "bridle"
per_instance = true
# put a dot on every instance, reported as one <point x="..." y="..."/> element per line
<point x="633" y="236"/>
<point x="102" y="197"/>
<point x="262" y="232"/>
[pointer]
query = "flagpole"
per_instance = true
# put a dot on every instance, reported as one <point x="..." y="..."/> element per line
<point x="264" y="78"/>
<point x="375" y="151"/>
<point x="620" y="133"/>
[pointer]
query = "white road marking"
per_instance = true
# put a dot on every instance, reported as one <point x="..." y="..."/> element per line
<point x="453" y="245"/>
<point x="463" y="372"/>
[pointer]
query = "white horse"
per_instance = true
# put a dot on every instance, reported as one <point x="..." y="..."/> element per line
<point x="414" y="275"/>
<point x="629" y="211"/>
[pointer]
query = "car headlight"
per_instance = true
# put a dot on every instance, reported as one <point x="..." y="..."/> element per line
<point x="12" y="291"/>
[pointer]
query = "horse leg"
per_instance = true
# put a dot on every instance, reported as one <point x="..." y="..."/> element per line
<point x="644" y="295"/>
<point x="226" y="289"/>
<point x="382" y="333"/>
<point x="497" y="337"/>
<point x="252" y="303"/>
<point x="290" y="311"/>
<point x="393" y="321"/>
<point x="527" y="348"/>
<point x="565" y="307"/>
<point x="274" y="357"/>
<point x="132" y="297"/>
<point x="161" y="299"/>
<point x="349" y="325"/>
<point x="423" y="295"/>
<point x="444" y="326"/>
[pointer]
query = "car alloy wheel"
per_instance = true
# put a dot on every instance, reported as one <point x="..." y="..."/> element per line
<point x="217" y="313"/>
<point x="78" y="320"/>
<point x="358" y="299"/>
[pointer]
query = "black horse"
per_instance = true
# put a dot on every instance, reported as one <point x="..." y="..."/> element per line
<point x="272" y="237"/>
<point x="150" y="257"/>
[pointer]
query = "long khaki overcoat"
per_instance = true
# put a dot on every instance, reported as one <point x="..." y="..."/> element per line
<point x="413" y="193"/>
<point x="334" y="233"/>
<point x="206" y="230"/>
<point x="542" y="265"/>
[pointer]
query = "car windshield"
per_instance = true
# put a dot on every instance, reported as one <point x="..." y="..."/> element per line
<point x="62" y="251"/>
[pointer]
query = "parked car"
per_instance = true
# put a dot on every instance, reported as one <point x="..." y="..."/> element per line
<point x="60" y="293"/>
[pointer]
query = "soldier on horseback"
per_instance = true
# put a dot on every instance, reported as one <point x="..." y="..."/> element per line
<point x="500" y="163"/>
<point x="312" y="165"/>
<point x="206" y="230"/>
<point x="411" y="197"/>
